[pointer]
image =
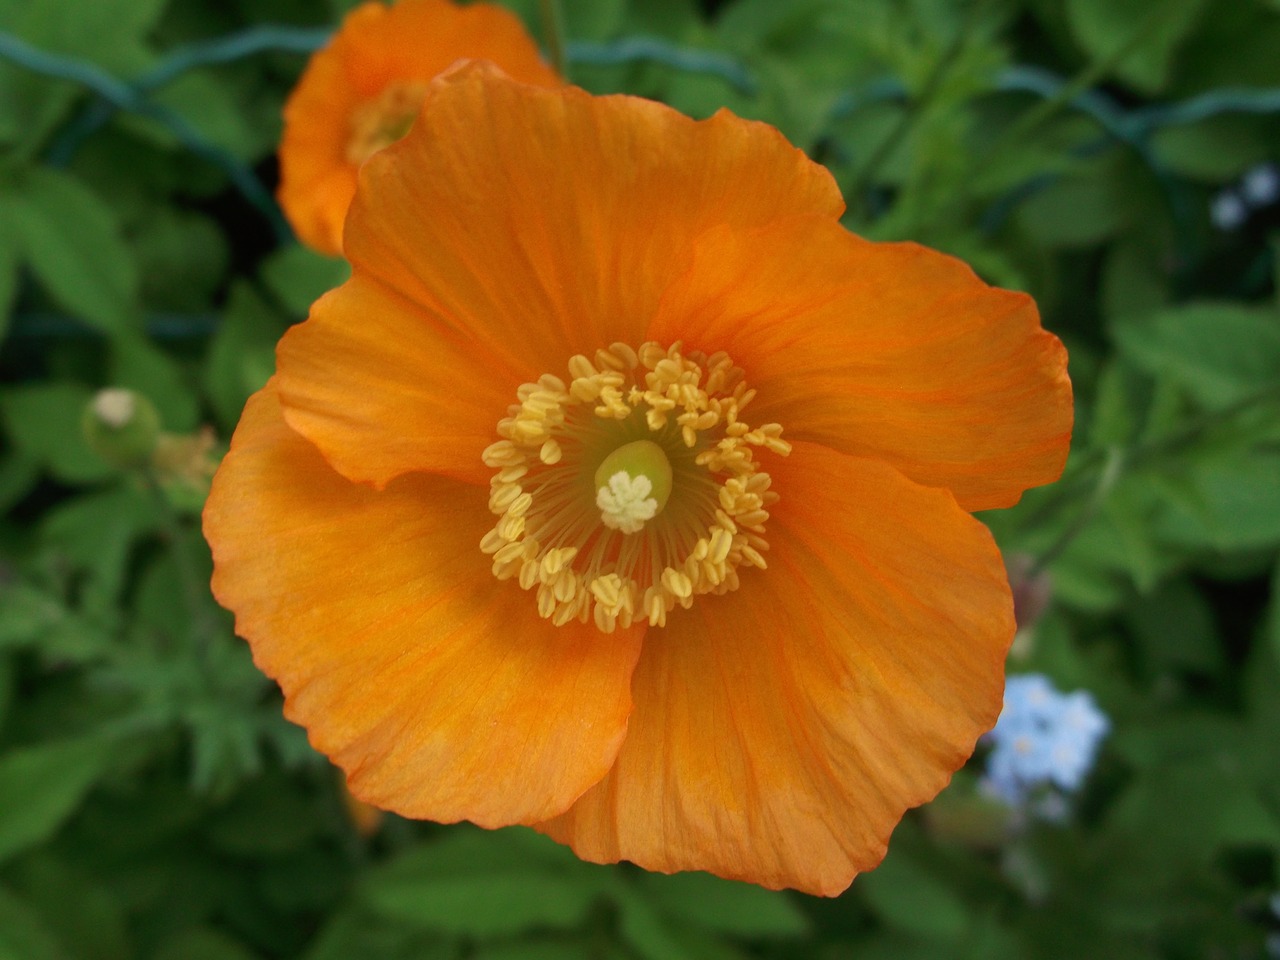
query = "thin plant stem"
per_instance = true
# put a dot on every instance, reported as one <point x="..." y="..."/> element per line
<point x="1075" y="88"/>
<point x="1112" y="470"/>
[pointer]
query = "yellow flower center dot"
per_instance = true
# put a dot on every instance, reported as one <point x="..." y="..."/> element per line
<point x="631" y="489"/>
<point x="384" y="118"/>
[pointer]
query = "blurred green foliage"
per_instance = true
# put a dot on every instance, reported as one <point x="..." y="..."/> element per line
<point x="153" y="802"/>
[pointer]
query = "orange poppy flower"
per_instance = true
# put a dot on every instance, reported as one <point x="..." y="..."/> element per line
<point x="623" y="493"/>
<point x="362" y="91"/>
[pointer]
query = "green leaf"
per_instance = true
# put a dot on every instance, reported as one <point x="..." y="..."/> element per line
<point x="211" y="108"/>
<point x="95" y="532"/>
<point x="34" y="618"/>
<point x="110" y="33"/>
<point x="1175" y="629"/>
<point x="243" y="354"/>
<point x="72" y="243"/>
<point x="1235" y="46"/>
<point x="1215" y="149"/>
<point x="298" y="276"/>
<point x="8" y="270"/>
<point x="1220" y="352"/>
<point x="1236" y="503"/>
<point x="1104" y="26"/>
<point x="88" y="916"/>
<point x="266" y="818"/>
<point x="1273" y="616"/>
<point x="8" y="685"/>
<point x="23" y="932"/>
<point x="202" y="944"/>
<point x="1135" y="278"/>
<point x="1123" y="395"/>
<point x="909" y="897"/>
<point x="41" y="786"/>
<point x="1077" y="210"/>
<point x="182" y="258"/>
<point x="564" y="949"/>
<point x="724" y="906"/>
<point x="139" y="365"/>
<point x="44" y="422"/>
<point x="485" y="886"/>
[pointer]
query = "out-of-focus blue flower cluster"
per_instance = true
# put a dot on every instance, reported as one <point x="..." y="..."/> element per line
<point x="1044" y="743"/>
<point x="1258" y="188"/>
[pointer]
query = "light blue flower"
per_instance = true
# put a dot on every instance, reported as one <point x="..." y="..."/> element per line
<point x="1043" y="740"/>
<point x="1261" y="185"/>
<point x="1228" y="211"/>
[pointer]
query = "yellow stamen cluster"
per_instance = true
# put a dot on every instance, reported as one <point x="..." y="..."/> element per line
<point x="382" y="120"/>
<point x="549" y="535"/>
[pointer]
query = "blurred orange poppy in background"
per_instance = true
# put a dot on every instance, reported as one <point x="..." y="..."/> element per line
<point x="362" y="91"/>
<point x="623" y="493"/>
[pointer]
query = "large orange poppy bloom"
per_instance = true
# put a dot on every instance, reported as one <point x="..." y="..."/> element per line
<point x="623" y="493"/>
<point x="362" y="91"/>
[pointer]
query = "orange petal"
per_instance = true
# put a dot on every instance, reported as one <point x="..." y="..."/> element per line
<point x="377" y="46"/>
<point x="437" y="689"/>
<point x="781" y="731"/>
<point x="375" y="382"/>
<point x="885" y="350"/>
<point x="528" y="225"/>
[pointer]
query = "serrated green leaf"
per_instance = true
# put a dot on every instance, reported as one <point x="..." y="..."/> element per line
<point x="41" y="786"/>
<point x="29" y="614"/>
<point x="72" y="243"/>
<point x="486" y="885"/>
<point x="95" y="533"/>
<point x="1219" y="352"/>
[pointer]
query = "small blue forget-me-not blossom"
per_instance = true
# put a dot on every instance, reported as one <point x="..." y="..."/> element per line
<point x="1045" y="741"/>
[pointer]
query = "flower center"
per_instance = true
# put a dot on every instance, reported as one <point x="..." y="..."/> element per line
<point x="383" y="119"/>
<point x="633" y="488"/>
<point x="632" y="484"/>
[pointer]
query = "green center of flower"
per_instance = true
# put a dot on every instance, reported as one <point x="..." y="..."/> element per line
<point x="632" y="485"/>
<point x="633" y="488"/>
<point x="383" y="119"/>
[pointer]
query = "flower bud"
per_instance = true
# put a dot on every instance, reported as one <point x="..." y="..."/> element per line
<point x="121" y="426"/>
